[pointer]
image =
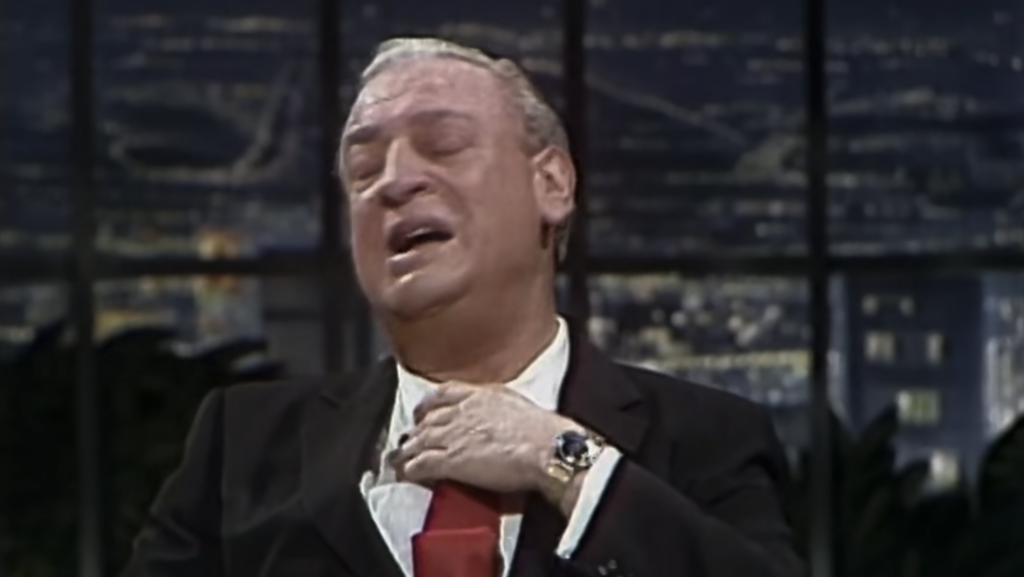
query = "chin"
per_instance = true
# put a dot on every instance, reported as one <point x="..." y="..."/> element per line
<point x="420" y="296"/>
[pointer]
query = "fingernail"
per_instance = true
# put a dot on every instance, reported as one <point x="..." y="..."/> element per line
<point x="403" y="439"/>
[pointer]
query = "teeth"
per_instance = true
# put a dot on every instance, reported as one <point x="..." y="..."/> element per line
<point x="412" y="238"/>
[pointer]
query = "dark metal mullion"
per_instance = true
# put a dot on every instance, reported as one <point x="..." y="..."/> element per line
<point x="92" y="528"/>
<point x="820" y="548"/>
<point x="293" y="265"/>
<point x="336" y="290"/>
<point x="574" y="86"/>
<point x="27" y="271"/>
<point x="701" y="265"/>
<point x="726" y="264"/>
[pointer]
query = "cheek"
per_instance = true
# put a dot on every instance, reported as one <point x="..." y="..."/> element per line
<point x="365" y="232"/>
<point x="503" y="190"/>
<point x="512" y="200"/>
<point x="505" y="220"/>
<point x="496" y="197"/>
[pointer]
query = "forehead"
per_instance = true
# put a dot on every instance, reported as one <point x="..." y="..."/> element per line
<point x="429" y="83"/>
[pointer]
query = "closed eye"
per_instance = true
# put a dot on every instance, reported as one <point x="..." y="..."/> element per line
<point x="361" y="167"/>
<point x="446" y="144"/>
<point x="364" y="172"/>
<point x="444" y="136"/>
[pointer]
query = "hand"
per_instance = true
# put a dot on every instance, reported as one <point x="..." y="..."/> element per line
<point x="486" y="436"/>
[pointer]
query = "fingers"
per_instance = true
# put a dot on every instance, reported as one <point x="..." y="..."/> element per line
<point x="425" y="453"/>
<point x="446" y="396"/>
<point x="420" y="440"/>
<point x="421" y="458"/>
<point x="426" y="467"/>
<point x="438" y="417"/>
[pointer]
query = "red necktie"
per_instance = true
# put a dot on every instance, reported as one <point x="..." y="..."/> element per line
<point x="460" y="535"/>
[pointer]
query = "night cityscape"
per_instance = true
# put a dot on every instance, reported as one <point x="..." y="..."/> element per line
<point x="207" y="120"/>
<point x="208" y="141"/>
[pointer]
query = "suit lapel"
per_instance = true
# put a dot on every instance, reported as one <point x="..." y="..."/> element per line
<point x="340" y="435"/>
<point x="597" y="394"/>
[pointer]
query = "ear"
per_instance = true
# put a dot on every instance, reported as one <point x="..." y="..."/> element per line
<point x="554" y="185"/>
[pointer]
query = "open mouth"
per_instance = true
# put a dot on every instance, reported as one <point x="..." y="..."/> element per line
<point x="405" y="239"/>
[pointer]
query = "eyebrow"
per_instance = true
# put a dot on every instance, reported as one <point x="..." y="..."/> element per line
<point x="370" y="132"/>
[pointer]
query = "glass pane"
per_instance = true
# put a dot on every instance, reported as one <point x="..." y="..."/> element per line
<point x="529" y="32"/>
<point x="209" y="131"/>
<point x="931" y="370"/>
<point x="211" y="311"/>
<point x="745" y="335"/>
<point x="165" y="342"/>
<point x="925" y="151"/>
<point x="35" y="127"/>
<point x="696" y="113"/>
<point x="562" y="292"/>
<point x="24" y="310"/>
<point x="37" y="433"/>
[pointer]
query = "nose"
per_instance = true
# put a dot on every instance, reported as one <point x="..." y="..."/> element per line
<point x="404" y="175"/>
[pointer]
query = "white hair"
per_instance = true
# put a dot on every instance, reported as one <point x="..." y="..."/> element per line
<point x="541" y="124"/>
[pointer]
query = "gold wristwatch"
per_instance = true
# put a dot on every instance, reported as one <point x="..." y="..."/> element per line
<point x="573" y="451"/>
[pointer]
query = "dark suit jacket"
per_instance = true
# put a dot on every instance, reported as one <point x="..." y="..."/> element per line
<point x="268" y="486"/>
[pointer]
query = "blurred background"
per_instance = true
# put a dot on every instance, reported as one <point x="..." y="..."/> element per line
<point x="816" y="205"/>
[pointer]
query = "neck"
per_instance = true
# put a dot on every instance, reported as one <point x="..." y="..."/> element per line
<point x="485" y="344"/>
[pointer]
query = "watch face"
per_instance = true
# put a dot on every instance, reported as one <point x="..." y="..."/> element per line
<point x="572" y="448"/>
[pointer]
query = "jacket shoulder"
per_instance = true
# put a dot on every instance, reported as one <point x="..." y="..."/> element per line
<point x="263" y="423"/>
<point x="663" y="385"/>
<point x="696" y="405"/>
<point x="265" y="402"/>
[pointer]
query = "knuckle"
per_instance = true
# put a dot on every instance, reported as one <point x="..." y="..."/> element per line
<point x="435" y="417"/>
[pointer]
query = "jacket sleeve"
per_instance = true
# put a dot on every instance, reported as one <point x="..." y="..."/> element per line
<point x="181" y="535"/>
<point x="730" y="523"/>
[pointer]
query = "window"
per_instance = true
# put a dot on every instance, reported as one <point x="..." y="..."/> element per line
<point x="907" y="306"/>
<point x="35" y="145"/>
<point x="946" y="373"/>
<point x="529" y="31"/>
<point x="936" y="348"/>
<point x="211" y="119"/>
<point x="710" y="160"/>
<point x="208" y="127"/>
<point x="747" y="335"/>
<point x="37" y="428"/>
<point x="921" y="156"/>
<point x="1004" y="358"/>
<point x="869" y="305"/>
<point x="24" y="310"/>
<point x="167" y="341"/>
<point x="562" y="292"/>
<point x="204" y="312"/>
<point x="880" y="347"/>
<point x="944" y="470"/>
<point x="919" y="407"/>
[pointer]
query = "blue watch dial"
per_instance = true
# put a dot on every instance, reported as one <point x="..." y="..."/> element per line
<point x="572" y="448"/>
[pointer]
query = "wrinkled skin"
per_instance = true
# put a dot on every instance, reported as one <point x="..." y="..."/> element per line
<point x="442" y="140"/>
<point x="488" y="437"/>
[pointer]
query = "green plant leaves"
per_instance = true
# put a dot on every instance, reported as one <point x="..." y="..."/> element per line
<point x="889" y="525"/>
<point x="150" y="390"/>
<point x="1001" y="478"/>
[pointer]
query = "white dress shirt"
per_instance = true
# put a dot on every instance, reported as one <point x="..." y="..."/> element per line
<point x="399" y="508"/>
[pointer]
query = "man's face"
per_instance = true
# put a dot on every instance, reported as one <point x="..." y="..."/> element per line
<point x="444" y="196"/>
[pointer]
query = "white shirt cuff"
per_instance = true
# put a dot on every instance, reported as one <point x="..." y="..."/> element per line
<point x="590" y="496"/>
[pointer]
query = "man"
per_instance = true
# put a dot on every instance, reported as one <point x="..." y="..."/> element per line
<point x="497" y="441"/>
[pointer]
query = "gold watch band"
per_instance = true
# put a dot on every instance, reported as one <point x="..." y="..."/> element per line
<point x="560" y="474"/>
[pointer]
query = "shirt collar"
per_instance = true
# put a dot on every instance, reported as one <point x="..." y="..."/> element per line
<point x="540" y="381"/>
